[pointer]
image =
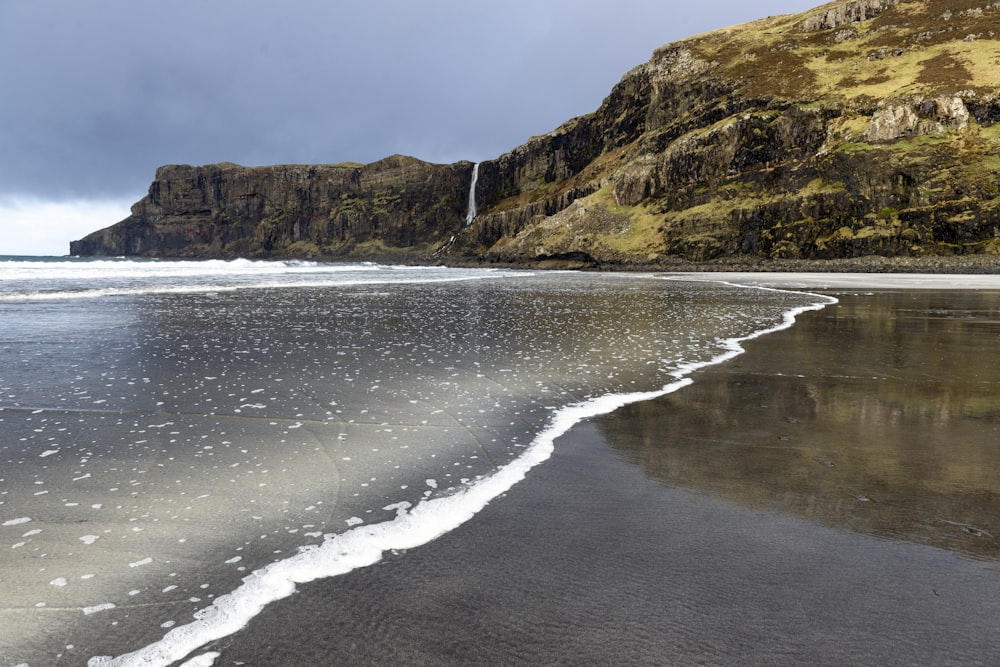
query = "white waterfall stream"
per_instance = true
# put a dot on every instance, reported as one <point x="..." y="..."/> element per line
<point x="471" y="215"/>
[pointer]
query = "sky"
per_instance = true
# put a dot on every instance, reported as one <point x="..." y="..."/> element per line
<point x="95" y="95"/>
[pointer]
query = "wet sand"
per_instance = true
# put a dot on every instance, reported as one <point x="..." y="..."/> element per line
<point x="828" y="497"/>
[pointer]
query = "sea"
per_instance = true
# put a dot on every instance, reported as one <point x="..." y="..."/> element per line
<point x="184" y="442"/>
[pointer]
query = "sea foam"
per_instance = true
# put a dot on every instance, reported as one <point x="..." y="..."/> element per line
<point x="78" y="278"/>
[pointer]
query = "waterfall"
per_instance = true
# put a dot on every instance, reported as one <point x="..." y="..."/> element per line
<point x="471" y="215"/>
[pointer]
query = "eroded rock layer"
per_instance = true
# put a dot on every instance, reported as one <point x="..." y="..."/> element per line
<point x="224" y="210"/>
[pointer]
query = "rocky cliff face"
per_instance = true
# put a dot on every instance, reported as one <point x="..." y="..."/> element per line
<point x="866" y="127"/>
<point x="226" y="210"/>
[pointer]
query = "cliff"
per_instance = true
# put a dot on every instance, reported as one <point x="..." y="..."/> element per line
<point x="866" y="127"/>
<point x="225" y="210"/>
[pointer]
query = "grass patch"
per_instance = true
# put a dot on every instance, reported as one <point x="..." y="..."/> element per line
<point x="302" y="249"/>
<point x="907" y="49"/>
<point x="645" y="229"/>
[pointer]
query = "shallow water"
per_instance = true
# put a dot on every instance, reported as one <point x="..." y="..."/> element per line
<point x="168" y="428"/>
<point x="880" y="414"/>
<point x="777" y="511"/>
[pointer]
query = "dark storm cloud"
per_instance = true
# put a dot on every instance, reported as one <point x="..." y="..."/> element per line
<point x="97" y="94"/>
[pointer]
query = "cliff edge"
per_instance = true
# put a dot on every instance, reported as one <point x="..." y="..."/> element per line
<point x="306" y="211"/>
<point x="867" y="127"/>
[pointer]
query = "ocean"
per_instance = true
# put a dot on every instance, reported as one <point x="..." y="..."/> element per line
<point x="185" y="442"/>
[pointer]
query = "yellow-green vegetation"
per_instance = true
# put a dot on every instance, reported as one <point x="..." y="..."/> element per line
<point x="643" y="233"/>
<point x="350" y="203"/>
<point x="529" y="191"/>
<point x="385" y="199"/>
<point x="986" y="147"/>
<point x="919" y="47"/>
<point x="304" y="249"/>
<point x="379" y="248"/>
<point x="885" y="224"/>
<point x="822" y="186"/>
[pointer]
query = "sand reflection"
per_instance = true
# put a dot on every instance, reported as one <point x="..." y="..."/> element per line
<point x="880" y="415"/>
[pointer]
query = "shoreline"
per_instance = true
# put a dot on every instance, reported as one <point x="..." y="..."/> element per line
<point x="852" y="282"/>
<point x="644" y="543"/>
<point x="873" y="264"/>
<point x="870" y="264"/>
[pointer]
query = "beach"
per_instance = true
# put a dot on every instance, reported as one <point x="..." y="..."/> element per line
<point x="828" y="497"/>
<point x="186" y="442"/>
<point x="297" y="464"/>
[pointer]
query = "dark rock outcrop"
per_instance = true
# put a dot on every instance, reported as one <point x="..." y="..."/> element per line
<point x="845" y="13"/>
<point x="226" y="210"/>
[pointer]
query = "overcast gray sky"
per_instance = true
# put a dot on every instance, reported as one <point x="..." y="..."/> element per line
<point x="95" y="95"/>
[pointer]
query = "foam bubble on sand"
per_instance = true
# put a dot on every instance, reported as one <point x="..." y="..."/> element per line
<point x="203" y="660"/>
<point x="98" y="607"/>
<point x="365" y="545"/>
<point x="138" y="563"/>
<point x="16" y="522"/>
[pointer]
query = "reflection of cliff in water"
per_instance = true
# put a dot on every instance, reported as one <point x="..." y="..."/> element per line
<point x="880" y="414"/>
